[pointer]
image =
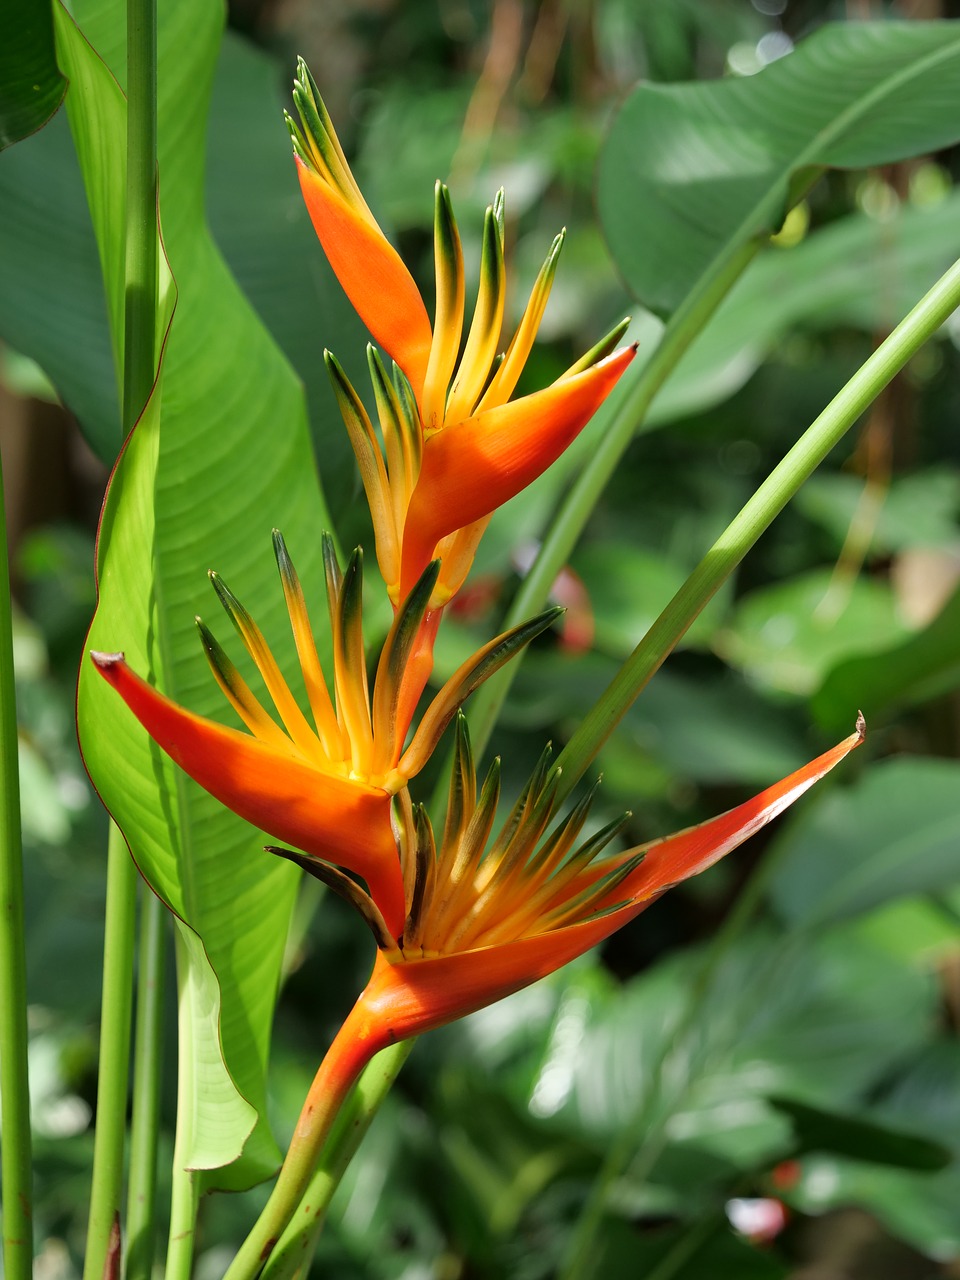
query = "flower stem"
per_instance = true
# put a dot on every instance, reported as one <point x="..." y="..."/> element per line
<point x="347" y="1056"/>
<point x="613" y="430"/>
<point x="139" y="372"/>
<point x="145" y="1118"/>
<point x="14" y="1079"/>
<point x="113" y="1071"/>
<point x="754" y="518"/>
<point x="296" y="1245"/>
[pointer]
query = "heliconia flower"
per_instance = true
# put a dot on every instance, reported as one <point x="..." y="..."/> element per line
<point x="481" y="926"/>
<point x="481" y="923"/>
<point x="326" y="786"/>
<point x="454" y="446"/>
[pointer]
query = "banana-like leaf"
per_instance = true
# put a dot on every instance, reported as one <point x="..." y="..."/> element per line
<point x="691" y="172"/>
<point x="31" y="86"/>
<point x="219" y="458"/>
<point x="52" y="304"/>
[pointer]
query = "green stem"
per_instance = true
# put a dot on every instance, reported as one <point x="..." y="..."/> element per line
<point x="726" y="553"/>
<point x="139" y="371"/>
<point x="14" y="1079"/>
<point x="755" y="517"/>
<point x="349" y="1054"/>
<point x="612" y="432"/>
<point x="145" y="1116"/>
<point x="185" y="1194"/>
<point x="294" y="1250"/>
<point x="113" y="1071"/>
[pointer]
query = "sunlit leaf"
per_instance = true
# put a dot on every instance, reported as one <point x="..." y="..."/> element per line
<point x="220" y="458"/>
<point x="691" y="172"/>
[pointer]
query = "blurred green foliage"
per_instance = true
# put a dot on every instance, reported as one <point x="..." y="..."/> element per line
<point x="808" y="1058"/>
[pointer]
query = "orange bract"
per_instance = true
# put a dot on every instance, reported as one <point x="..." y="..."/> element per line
<point x="480" y="925"/>
<point x="325" y="786"/>
<point x="453" y="449"/>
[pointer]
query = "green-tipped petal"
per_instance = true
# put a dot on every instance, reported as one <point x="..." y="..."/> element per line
<point x="251" y="635"/>
<point x="507" y="375"/>
<point x="387" y="523"/>
<point x="345" y="888"/>
<point x="462" y="797"/>
<point x="349" y="660"/>
<point x="238" y="693"/>
<point x="424" y="881"/>
<point x="324" y="715"/>
<point x="605" y="347"/>
<point x="484" y="333"/>
<point x="324" y="151"/>
<point x="388" y="734"/>
<point x="462" y="683"/>
<point x="448" y="319"/>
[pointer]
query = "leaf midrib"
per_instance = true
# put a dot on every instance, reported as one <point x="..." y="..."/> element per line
<point x="825" y="137"/>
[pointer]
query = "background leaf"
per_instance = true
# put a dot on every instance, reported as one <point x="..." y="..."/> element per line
<point x="31" y="86"/>
<point x="895" y="832"/>
<point x="691" y="171"/>
<point x="923" y="666"/>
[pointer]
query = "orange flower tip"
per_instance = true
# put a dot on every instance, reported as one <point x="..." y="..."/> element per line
<point x="105" y="662"/>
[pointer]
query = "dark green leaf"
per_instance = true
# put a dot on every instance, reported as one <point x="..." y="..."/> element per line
<point x="845" y="1135"/>
<point x="31" y="86"/>
<point x="922" y="667"/>
<point x="895" y="832"/>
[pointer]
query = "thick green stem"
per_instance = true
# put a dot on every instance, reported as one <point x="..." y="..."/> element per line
<point x="14" y="1080"/>
<point x="612" y="432"/>
<point x="295" y="1248"/>
<point x="145" y="1117"/>
<point x="184" y="1196"/>
<point x="139" y="371"/>
<point x="113" y="1071"/>
<point x="346" y="1058"/>
<point x="755" y="517"/>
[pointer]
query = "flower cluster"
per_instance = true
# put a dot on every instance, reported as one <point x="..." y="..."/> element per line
<point x="467" y="916"/>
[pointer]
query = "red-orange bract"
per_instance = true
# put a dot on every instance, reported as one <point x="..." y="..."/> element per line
<point x="455" y="447"/>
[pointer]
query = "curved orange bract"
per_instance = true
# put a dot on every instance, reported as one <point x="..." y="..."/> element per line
<point x="332" y="817"/>
<point x="373" y="277"/>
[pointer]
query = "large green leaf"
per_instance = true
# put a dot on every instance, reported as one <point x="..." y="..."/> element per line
<point x="817" y="1020"/>
<point x="858" y="271"/>
<point x="691" y="172"/>
<point x="31" y="86"/>
<point x="217" y="460"/>
<point x="919" y="1207"/>
<point x="52" y="304"/>
<point x="859" y="1138"/>
<point x="896" y="832"/>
